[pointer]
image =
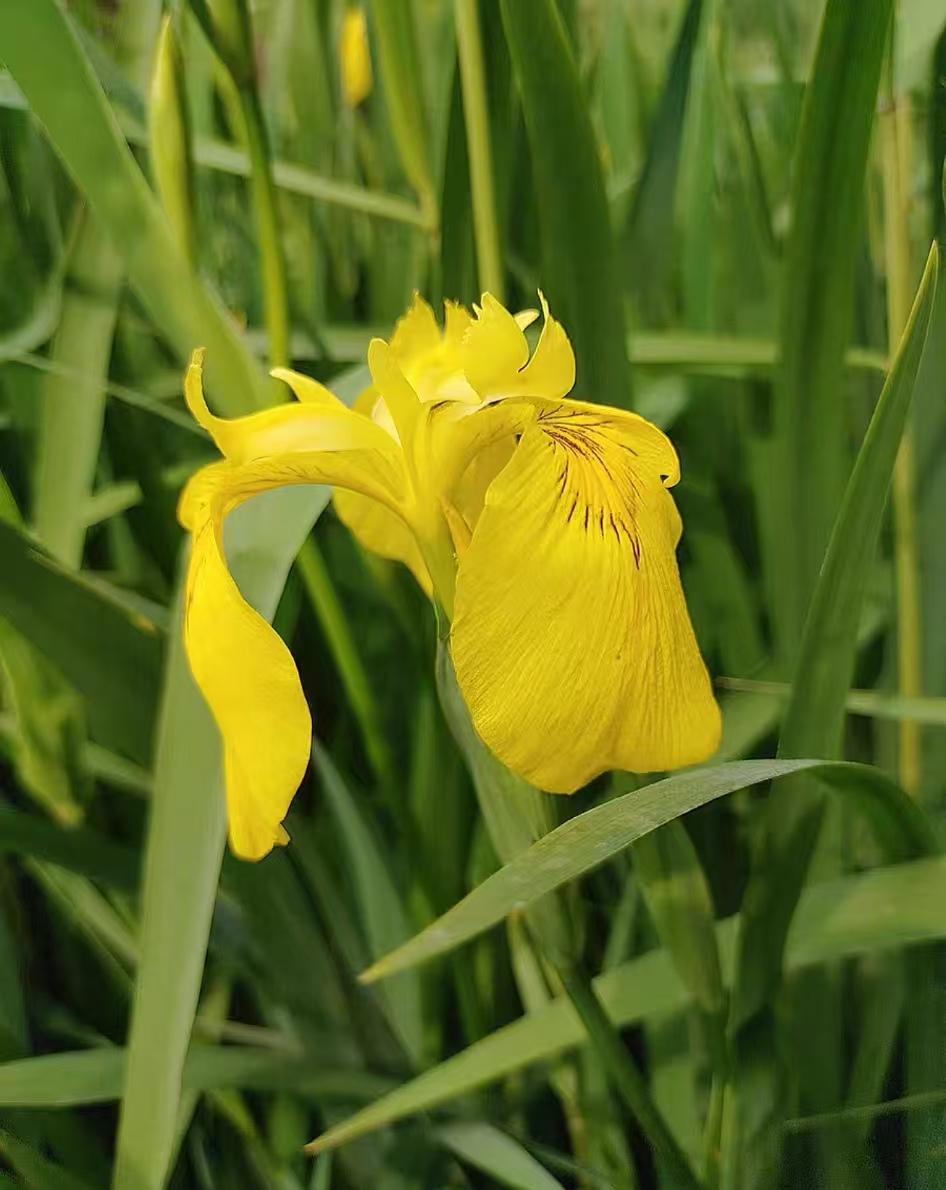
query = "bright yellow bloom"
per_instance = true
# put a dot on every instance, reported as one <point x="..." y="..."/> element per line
<point x="354" y="58"/>
<point x="543" y="526"/>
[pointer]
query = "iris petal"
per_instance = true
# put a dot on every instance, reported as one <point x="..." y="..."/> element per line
<point x="241" y="665"/>
<point x="571" y="639"/>
<point x="248" y="677"/>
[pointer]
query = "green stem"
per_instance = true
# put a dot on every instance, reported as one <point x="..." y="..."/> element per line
<point x="625" y="1077"/>
<point x="895" y="146"/>
<point x="272" y="260"/>
<point x="473" y="80"/>
<point x="331" y="617"/>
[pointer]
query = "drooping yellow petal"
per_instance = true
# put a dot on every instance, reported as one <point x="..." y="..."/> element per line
<point x="248" y="677"/>
<point x="240" y="664"/>
<point x="571" y="639"/>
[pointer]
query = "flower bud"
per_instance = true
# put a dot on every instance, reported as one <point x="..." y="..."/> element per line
<point x="354" y="58"/>
<point x="169" y="133"/>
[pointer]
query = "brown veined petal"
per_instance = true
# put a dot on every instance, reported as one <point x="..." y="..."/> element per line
<point x="571" y="639"/>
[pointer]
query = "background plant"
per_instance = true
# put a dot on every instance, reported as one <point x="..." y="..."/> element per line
<point x="729" y="205"/>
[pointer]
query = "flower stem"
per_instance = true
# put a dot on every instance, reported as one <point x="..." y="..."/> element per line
<point x="475" y="113"/>
<point x="625" y="1077"/>
<point x="272" y="260"/>
<point x="895" y="147"/>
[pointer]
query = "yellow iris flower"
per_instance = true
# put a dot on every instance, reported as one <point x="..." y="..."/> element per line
<point x="543" y="526"/>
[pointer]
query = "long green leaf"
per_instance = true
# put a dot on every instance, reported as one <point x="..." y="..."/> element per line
<point x="873" y="912"/>
<point x="67" y="98"/>
<point x="96" y="1076"/>
<point x="185" y="849"/>
<point x="37" y="1172"/>
<point x="384" y="917"/>
<point x="816" y="709"/>
<point x="810" y="456"/>
<point x="579" y="264"/>
<point x="590" y="839"/>
<point x="792" y="818"/>
<point x="98" y="640"/>
<point x="496" y="1154"/>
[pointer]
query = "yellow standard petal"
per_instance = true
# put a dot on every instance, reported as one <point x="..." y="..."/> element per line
<point x="496" y="355"/>
<point x="571" y="639"/>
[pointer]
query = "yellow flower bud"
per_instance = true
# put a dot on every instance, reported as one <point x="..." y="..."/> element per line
<point x="354" y="58"/>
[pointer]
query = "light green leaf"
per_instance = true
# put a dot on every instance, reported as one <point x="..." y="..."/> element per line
<point x="591" y="838"/>
<point x="810" y="457"/>
<point x="488" y="1149"/>
<point x="579" y="262"/>
<point x="873" y="912"/>
<point x="98" y="639"/>
<point x="96" y="1076"/>
<point x="67" y="98"/>
<point x="185" y="848"/>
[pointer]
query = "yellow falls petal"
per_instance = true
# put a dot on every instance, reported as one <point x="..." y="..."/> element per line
<point x="319" y="422"/>
<point x="571" y="639"/>
<point x="249" y="680"/>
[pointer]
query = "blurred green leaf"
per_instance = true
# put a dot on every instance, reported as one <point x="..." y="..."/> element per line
<point x="809" y="436"/>
<point x="875" y="911"/>
<point x="66" y="97"/>
<point x="579" y="263"/>
<point x="100" y="641"/>
<point x="396" y="39"/>
<point x="488" y="1149"/>
<point x="37" y="1172"/>
<point x="185" y="848"/>
<point x="96" y="1076"/>
<point x="78" y="849"/>
<point x="384" y="917"/>
<point x="792" y="818"/>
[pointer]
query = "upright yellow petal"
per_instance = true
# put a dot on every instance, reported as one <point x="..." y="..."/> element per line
<point x="571" y="639"/>
<point x="496" y="355"/>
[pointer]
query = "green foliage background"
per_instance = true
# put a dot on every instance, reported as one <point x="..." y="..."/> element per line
<point x="730" y="205"/>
